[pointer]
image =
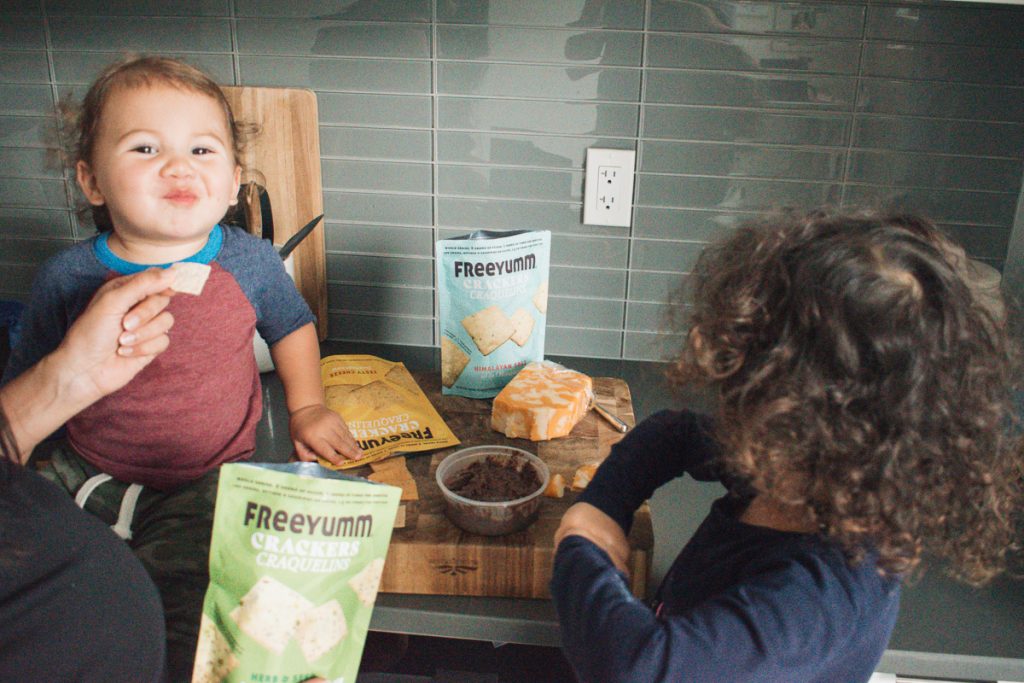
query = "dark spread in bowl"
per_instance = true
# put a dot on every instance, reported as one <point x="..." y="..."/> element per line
<point x="495" y="479"/>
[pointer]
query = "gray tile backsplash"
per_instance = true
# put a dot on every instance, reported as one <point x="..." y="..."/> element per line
<point x="390" y="112"/>
<point x="517" y="44"/>
<point x="375" y="143"/>
<point x="438" y="118"/>
<point x="333" y="38"/>
<point x="347" y="10"/>
<point x="25" y="99"/>
<point x="745" y="125"/>
<point x="151" y="34"/>
<point x="143" y="8"/>
<point x="78" y="69"/>
<point x="22" y="32"/>
<point x="946" y="22"/>
<point x="23" y="67"/>
<point x="624" y="14"/>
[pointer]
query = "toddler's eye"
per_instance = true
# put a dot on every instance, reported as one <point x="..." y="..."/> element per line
<point x="201" y="151"/>
<point x="144" y="149"/>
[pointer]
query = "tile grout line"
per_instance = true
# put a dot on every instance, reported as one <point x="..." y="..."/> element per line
<point x="236" y="66"/>
<point x="631" y="235"/>
<point x="435" y="174"/>
<point x="62" y="142"/>
<point x="844" y="180"/>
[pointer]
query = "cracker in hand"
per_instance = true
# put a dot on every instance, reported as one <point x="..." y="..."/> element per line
<point x="189" y="278"/>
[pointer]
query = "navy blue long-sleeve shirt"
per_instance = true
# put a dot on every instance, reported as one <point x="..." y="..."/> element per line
<point x="740" y="602"/>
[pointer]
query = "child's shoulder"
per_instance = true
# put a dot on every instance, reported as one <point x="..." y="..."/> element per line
<point x="71" y="274"/>
<point x="72" y="263"/>
<point x="238" y="242"/>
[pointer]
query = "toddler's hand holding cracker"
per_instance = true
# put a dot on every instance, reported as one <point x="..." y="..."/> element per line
<point x="318" y="431"/>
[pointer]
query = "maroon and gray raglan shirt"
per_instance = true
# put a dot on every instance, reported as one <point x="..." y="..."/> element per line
<point x="196" y="405"/>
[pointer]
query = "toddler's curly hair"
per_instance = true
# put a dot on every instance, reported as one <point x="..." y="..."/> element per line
<point x="860" y="377"/>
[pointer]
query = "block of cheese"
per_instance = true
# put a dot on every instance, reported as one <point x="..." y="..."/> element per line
<point x="544" y="401"/>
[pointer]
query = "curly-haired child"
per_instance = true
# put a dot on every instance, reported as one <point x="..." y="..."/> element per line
<point x="862" y="422"/>
<point x="158" y="159"/>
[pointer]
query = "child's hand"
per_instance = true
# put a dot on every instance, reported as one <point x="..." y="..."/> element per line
<point x="319" y="431"/>
<point x="583" y="519"/>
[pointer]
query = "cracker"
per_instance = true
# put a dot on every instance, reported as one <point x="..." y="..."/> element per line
<point x="189" y="278"/>
<point x="540" y="298"/>
<point x="400" y="376"/>
<point x="214" y="658"/>
<point x="400" y="478"/>
<point x="400" y="517"/>
<point x="394" y="463"/>
<point x="365" y="583"/>
<point x="556" y="486"/>
<point x="394" y="472"/>
<point x="269" y="613"/>
<point x="320" y="629"/>
<point x="453" y="361"/>
<point x="583" y="475"/>
<point x="523" y="322"/>
<point x="489" y="328"/>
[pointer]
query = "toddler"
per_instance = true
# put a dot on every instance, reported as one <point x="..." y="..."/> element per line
<point x="862" y="421"/>
<point x="157" y="158"/>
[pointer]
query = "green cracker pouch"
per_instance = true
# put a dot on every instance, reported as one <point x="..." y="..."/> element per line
<point x="295" y="561"/>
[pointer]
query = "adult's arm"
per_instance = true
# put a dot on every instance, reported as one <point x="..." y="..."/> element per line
<point x="120" y="332"/>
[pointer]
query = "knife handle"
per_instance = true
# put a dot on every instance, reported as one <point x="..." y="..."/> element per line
<point x="614" y="420"/>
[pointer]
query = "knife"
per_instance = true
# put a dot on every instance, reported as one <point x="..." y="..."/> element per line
<point x="293" y="241"/>
<point x="614" y="420"/>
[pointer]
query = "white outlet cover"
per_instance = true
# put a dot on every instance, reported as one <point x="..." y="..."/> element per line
<point x="608" y="187"/>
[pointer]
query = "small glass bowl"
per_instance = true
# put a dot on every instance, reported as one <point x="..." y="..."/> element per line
<point x="491" y="518"/>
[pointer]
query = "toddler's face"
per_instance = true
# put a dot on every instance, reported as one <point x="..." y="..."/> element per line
<point x="163" y="163"/>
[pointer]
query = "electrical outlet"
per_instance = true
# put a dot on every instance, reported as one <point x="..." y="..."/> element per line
<point x="608" y="191"/>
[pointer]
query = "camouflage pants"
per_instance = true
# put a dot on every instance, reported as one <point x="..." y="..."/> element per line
<point x="169" y="531"/>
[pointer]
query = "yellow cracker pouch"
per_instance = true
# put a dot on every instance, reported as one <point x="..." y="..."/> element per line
<point x="383" y="406"/>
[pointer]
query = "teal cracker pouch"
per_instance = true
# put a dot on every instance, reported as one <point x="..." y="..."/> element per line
<point x="493" y="299"/>
<point x="295" y="562"/>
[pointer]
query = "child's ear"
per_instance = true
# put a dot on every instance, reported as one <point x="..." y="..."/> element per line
<point x="238" y="184"/>
<point x="87" y="181"/>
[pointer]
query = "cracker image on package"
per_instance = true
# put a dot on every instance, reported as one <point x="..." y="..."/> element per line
<point x="373" y="396"/>
<point x="287" y="541"/>
<point x="523" y="322"/>
<point x="214" y="658"/>
<point x="453" y="361"/>
<point x="320" y="629"/>
<point x="489" y="328"/>
<point x="269" y="612"/>
<point x="365" y="583"/>
<point x="492" y="298"/>
<point x="540" y="298"/>
<point x="338" y="392"/>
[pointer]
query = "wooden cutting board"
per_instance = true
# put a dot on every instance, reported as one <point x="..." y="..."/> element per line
<point x="433" y="556"/>
<point x="284" y="157"/>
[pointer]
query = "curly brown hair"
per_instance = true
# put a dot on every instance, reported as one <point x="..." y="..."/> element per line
<point x="133" y="71"/>
<point x="859" y="377"/>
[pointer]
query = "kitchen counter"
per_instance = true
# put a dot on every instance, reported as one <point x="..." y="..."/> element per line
<point x="945" y="629"/>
